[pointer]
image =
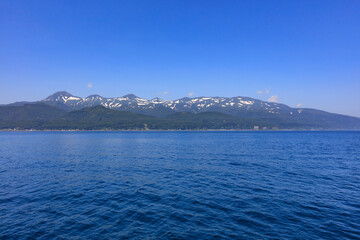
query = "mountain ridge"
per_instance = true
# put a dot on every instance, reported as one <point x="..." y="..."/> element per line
<point x="220" y="112"/>
<point x="131" y="101"/>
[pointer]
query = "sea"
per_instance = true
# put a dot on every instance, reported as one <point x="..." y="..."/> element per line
<point x="180" y="185"/>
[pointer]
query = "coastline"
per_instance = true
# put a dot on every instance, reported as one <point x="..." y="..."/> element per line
<point x="180" y="130"/>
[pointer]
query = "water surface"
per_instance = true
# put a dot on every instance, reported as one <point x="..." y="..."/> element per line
<point x="180" y="185"/>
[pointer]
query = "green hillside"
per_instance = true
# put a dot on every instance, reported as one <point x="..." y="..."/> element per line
<point x="45" y="117"/>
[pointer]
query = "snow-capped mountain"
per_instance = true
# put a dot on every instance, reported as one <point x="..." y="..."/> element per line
<point x="234" y="105"/>
<point x="65" y="111"/>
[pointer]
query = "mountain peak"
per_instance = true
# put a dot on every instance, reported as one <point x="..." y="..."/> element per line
<point x="130" y="96"/>
<point x="94" y="96"/>
<point x="58" y="95"/>
<point x="62" y="93"/>
<point x="156" y="99"/>
<point x="185" y="99"/>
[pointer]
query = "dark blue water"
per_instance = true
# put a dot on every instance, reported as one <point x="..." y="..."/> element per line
<point x="180" y="185"/>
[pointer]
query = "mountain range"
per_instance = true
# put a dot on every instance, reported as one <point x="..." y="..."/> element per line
<point x="63" y="110"/>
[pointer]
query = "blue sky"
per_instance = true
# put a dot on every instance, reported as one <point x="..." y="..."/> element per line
<point x="304" y="53"/>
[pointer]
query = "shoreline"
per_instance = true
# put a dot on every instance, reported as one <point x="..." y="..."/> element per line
<point x="182" y="130"/>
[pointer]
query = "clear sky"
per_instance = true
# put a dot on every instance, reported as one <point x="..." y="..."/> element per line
<point x="292" y="51"/>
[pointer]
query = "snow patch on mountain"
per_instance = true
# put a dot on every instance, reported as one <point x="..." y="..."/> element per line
<point x="131" y="102"/>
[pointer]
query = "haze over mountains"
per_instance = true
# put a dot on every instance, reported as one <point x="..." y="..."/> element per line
<point x="63" y="110"/>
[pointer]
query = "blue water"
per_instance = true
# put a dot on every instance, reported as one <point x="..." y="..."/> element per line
<point x="180" y="185"/>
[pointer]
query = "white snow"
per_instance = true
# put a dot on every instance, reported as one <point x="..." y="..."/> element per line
<point x="73" y="98"/>
<point x="247" y="102"/>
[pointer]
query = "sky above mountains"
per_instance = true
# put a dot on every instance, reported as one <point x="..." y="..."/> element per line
<point x="300" y="53"/>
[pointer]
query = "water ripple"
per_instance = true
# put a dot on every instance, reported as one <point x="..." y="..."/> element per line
<point x="180" y="185"/>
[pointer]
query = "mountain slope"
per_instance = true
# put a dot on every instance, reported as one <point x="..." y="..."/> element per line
<point x="99" y="117"/>
<point x="65" y="111"/>
<point x="130" y="102"/>
<point x="279" y="115"/>
<point x="30" y="112"/>
<point x="28" y="115"/>
<point x="213" y="120"/>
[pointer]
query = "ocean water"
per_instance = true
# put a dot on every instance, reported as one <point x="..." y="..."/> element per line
<point x="179" y="185"/>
